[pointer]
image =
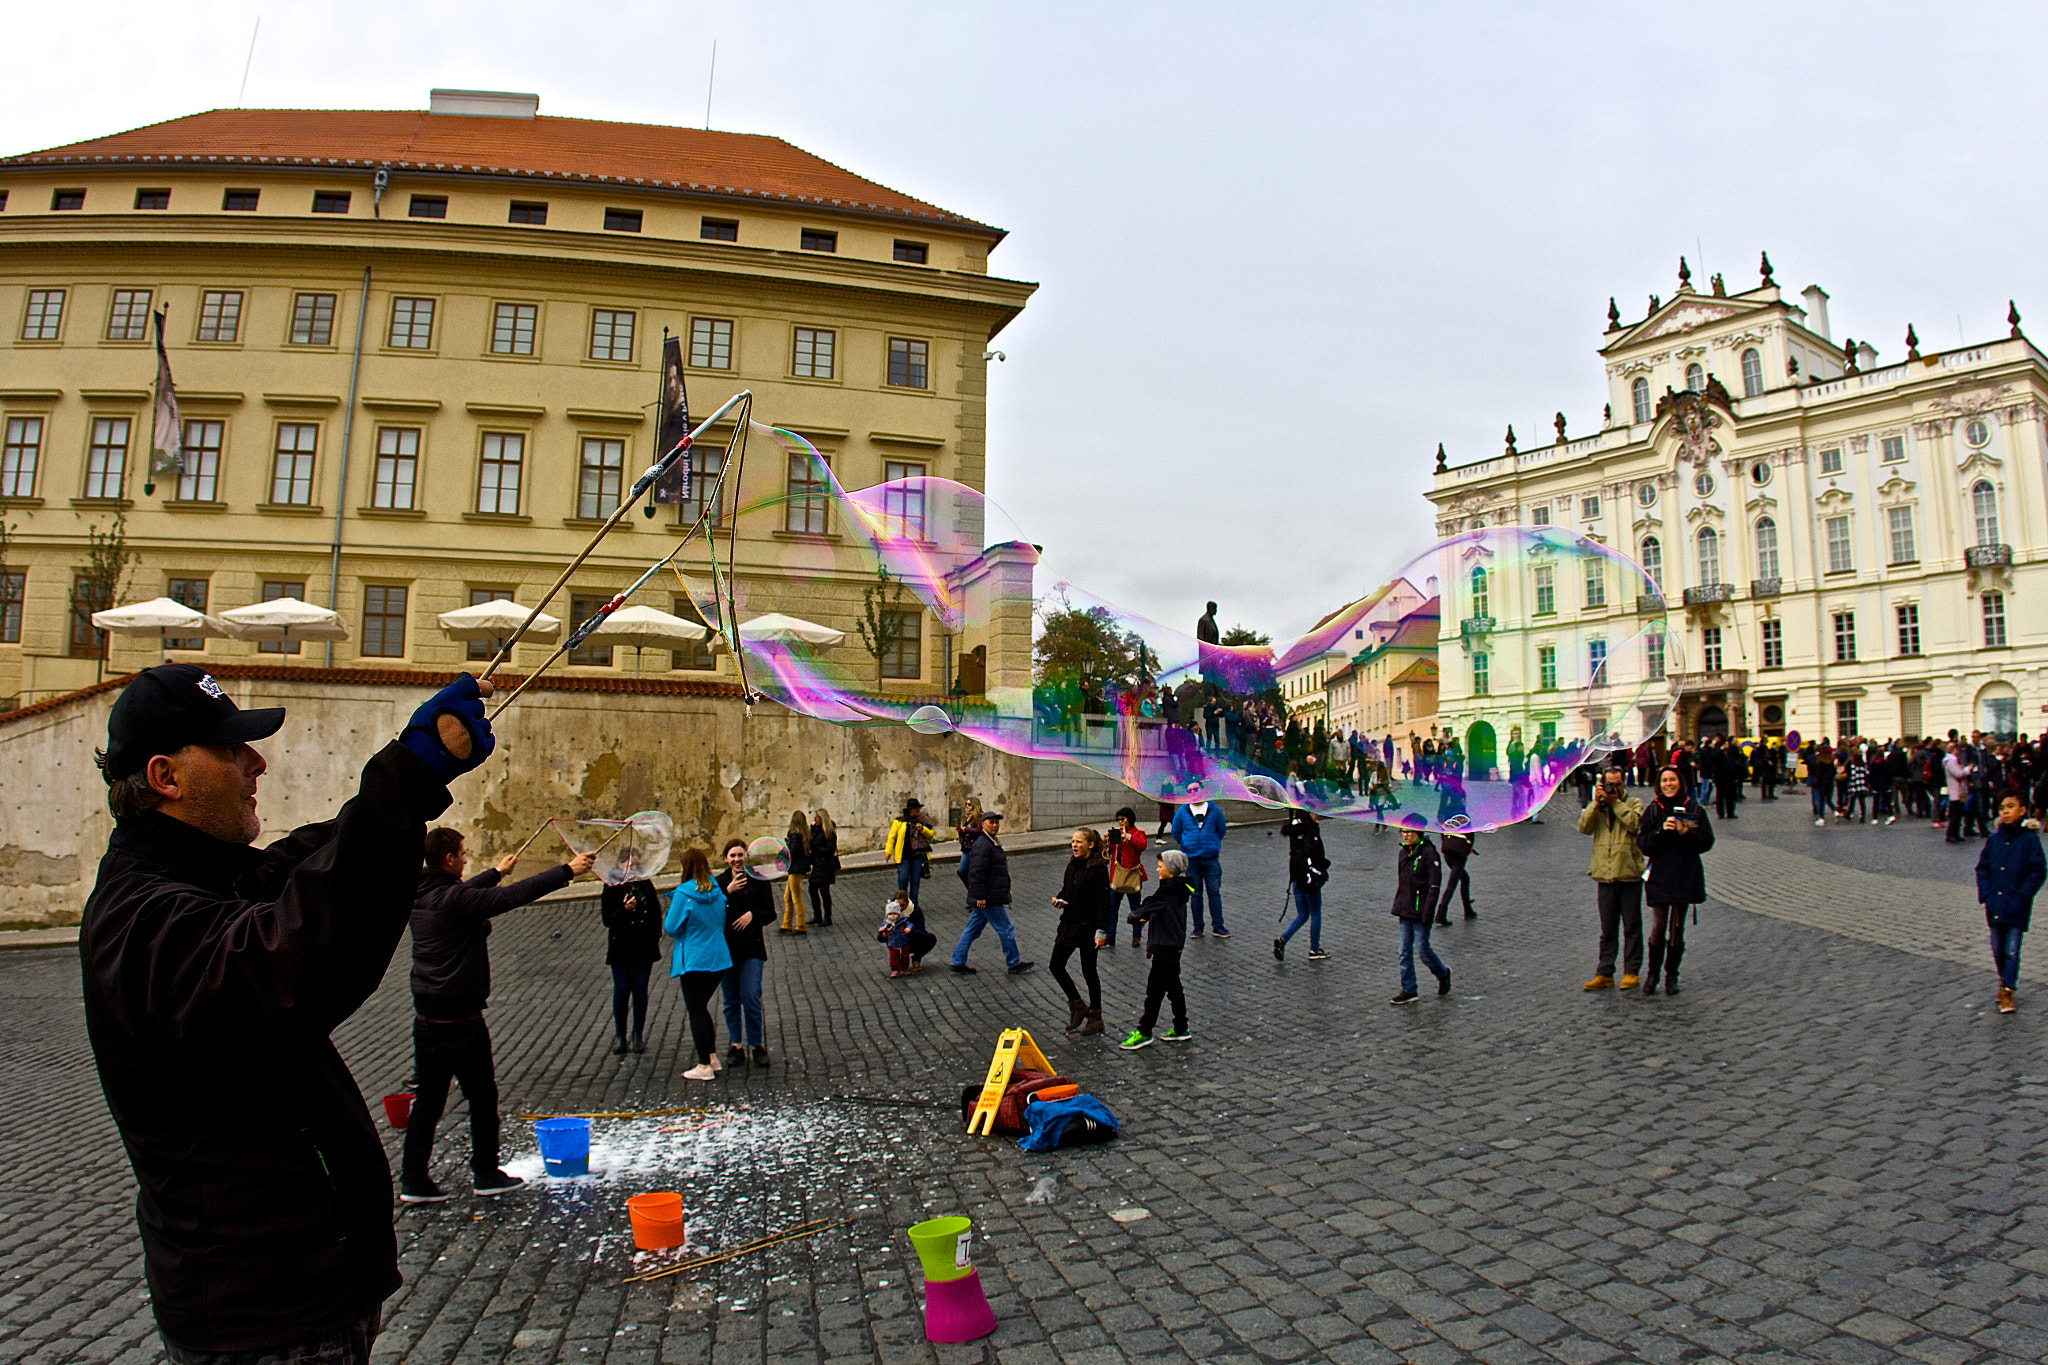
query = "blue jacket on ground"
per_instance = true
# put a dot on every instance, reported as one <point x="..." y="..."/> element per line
<point x="1200" y="838"/>
<point x="696" y="921"/>
<point x="2009" y="873"/>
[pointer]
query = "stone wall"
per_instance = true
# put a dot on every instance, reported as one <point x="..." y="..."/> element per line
<point x="715" y="765"/>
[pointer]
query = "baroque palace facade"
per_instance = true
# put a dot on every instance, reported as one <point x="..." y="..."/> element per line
<point x="416" y="355"/>
<point x="1844" y="547"/>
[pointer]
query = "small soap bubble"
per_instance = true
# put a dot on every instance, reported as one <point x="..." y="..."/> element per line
<point x="768" y="858"/>
<point x="931" y="720"/>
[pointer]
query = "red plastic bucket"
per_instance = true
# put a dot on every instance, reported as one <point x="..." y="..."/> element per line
<point x="657" y="1219"/>
<point x="398" y="1108"/>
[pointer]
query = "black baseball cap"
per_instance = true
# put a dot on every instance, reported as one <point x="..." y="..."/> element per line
<point x="168" y="707"/>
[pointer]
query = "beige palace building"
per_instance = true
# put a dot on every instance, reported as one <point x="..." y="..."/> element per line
<point x="416" y="354"/>
<point x="1845" y="546"/>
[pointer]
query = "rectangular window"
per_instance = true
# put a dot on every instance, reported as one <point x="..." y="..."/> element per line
<point x="88" y="595"/>
<point x="535" y="214"/>
<point x="512" y="328"/>
<point x="1589" y="507"/>
<point x="18" y="459"/>
<point x="696" y="655"/>
<point x="330" y="201"/>
<point x="220" y="315"/>
<point x="813" y="358"/>
<point x="611" y="334"/>
<point x="1909" y="628"/>
<point x="200" y="479"/>
<point x="603" y="463"/>
<point x="485" y="650"/>
<point x="189" y="592"/>
<point x="45" y="316"/>
<point x="903" y="508"/>
<point x="622" y="220"/>
<point x="1994" y="620"/>
<point x="809" y="498"/>
<point x="128" y="319"/>
<point x="911" y="253"/>
<point x="1846" y="723"/>
<point x="1894" y="449"/>
<point x="581" y="609"/>
<point x="67" y="201"/>
<point x="239" y="201"/>
<point x="817" y="239"/>
<point x="1900" y="522"/>
<point x="498" y="477"/>
<point x="152" y="199"/>
<point x="312" y="319"/>
<point x="700" y="491"/>
<point x="272" y="590"/>
<point x="1710" y="649"/>
<point x="1845" y="637"/>
<point x="13" y="588"/>
<point x="1546" y="668"/>
<point x="904" y="658"/>
<point x="1653" y="654"/>
<point x="719" y="230"/>
<point x="383" y="622"/>
<point x="106" y="459"/>
<point x="291" y="472"/>
<point x="1482" y="676"/>
<point x="1596" y="583"/>
<point x="1839" y="558"/>
<point x="412" y="324"/>
<point x="711" y="343"/>
<point x="1539" y="516"/>
<point x="1546" y="591"/>
<point x="1596" y="659"/>
<point x="398" y="465"/>
<point x="428" y="206"/>
<point x="1909" y="717"/>
<point x="907" y="363"/>
<point x="1831" y="460"/>
<point x="1773" y="643"/>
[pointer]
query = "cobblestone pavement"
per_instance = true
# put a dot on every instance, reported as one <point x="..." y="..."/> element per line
<point x="1827" y="1148"/>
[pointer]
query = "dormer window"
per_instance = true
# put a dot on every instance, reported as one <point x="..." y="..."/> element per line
<point x="1696" y="378"/>
<point x="1639" y="394"/>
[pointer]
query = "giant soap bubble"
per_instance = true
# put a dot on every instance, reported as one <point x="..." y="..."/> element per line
<point x="627" y="850"/>
<point x="1516" y="654"/>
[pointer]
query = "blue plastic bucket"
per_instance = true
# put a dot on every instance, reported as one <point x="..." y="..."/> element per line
<point x="564" y="1145"/>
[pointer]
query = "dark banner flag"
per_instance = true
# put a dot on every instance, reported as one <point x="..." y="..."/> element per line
<point x="166" y="453"/>
<point x="674" y="404"/>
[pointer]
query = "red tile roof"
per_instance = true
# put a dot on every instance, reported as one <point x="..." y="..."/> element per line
<point x="738" y="165"/>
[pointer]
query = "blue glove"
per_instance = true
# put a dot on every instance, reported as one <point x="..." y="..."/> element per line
<point x="462" y="700"/>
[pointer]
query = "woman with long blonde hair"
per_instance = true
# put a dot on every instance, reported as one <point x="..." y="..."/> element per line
<point x="823" y="847"/>
<point x="798" y="839"/>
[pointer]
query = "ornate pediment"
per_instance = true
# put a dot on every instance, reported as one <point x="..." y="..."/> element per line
<point x="1748" y="336"/>
<point x="1705" y="513"/>
<point x="1895" y="490"/>
<point x="1979" y="462"/>
<point x="1761" y="504"/>
<point x="1834" y="498"/>
<point x="1685" y="315"/>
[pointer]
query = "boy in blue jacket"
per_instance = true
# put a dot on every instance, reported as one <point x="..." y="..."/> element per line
<point x="2010" y="872"/>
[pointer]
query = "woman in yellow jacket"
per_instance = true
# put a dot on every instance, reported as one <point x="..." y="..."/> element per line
<point x="909" y="846"/>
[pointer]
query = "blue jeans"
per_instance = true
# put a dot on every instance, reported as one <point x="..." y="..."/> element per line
<point x="1414" y="934"/>
<point x="1821" y="788"/>
<point x="1116" y="901"/>
<point x="1205" y="881"/>
<point x="909" y="873"/>
<point x="2005" y="952"/>
<point x="982" y="917"/>
<point x="742" y="991"/>
<point x="1308" y="909"/>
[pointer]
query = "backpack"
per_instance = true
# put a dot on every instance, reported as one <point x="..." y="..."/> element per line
<point x="1010" y="1110"/>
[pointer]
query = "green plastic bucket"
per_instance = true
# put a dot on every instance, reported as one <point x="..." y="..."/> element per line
<point x="942" y="1247"/>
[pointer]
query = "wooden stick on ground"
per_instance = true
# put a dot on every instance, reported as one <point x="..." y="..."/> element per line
<point x="619" y="1114"/>
<point x="802" y="1230"/>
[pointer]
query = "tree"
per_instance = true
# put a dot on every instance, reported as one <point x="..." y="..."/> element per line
<point x="1245" y="635"/>
<point x="96" y="584"/>
<point x="881" y="618"/>
<point x="1084" y="648"/>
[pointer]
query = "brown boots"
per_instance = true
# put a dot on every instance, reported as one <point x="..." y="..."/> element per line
<point x="1094" y="1024"/>
<point x="1076" y="1012"/>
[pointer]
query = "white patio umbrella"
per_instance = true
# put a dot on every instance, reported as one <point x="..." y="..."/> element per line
<point x="284" y="618"/>
<point x="495" y="621"/>
<point x="789" y="629"/>
<point x="159" y="616"/>
<point x="645" y="628"/>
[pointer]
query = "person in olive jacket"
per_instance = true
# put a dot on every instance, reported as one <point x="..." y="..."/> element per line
<point x="631" y="912"/>
<point x="1087" y="921"/>
<point x="1673" y="832"/>
<point x="1612" y="818"/>
<point x="215" y="974"/>
<point x="2010" y="872"/>
<point x="749" y="905"/>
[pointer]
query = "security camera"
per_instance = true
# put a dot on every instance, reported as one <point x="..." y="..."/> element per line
<point x="993" y="355"/>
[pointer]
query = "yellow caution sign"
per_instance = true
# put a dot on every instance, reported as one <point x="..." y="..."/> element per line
<point x="1013" y="1047"/>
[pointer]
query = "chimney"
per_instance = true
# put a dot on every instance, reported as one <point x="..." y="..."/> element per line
<point x="1866" y="356"/>
<point x="1816" y="309"/>
<point x="483" y="103"/>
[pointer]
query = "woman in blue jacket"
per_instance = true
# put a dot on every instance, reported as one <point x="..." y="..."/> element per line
<point x="696" y="921"/>
<point x="2010" y="872"/>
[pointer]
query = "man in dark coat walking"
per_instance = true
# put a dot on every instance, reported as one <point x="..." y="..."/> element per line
<point x="1419" y="874"/>
<point x="988" y="897"/>
<point x="214" y="973"/>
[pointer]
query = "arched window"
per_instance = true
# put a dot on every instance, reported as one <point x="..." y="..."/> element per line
<point x="1639" y="393"/>
<point x="1766" y="548"/>
<point x="1480" y="596"/>
<point x="1984" y="507"/>
<point x="1710" y="556"/>
<point x="1752" y="373"/>
<point x="1696" y="378"/>
<point x="1653" y="560"/>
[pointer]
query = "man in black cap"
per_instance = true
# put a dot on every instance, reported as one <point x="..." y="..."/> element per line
<point x="214" y="973"/>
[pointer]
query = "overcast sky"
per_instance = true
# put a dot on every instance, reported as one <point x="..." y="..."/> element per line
<point x="1283" y="250"/>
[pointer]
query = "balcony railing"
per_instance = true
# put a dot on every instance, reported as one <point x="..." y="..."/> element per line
<point x="1988" y="556"/>
<point x="1709" y="593"/>
<point x="1648" y="604"/>
<point x="1713" y="680"/>
<point x="1477" y="625"/>
<point x="1766" y="587"/>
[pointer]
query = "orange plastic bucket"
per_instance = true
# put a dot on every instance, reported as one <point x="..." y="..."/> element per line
<point x="657" y="1219"/>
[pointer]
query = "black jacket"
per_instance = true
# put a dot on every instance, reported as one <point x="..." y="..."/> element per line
<point x="1421" y="876"/>
<point x="756" y="899"/>
<point x="1164" y="914"/>
<point x="1308" y="866"/>
<point x="451" y="921"/>
<point x="800" y="855"/>
<point x="631" y="913"/>
<point x="213" y="975"/>
<point x="1085" y="889"/>
<point x="824" y="857"/>
<point x="988" y="872"/>
<point x="1676" y="876"/>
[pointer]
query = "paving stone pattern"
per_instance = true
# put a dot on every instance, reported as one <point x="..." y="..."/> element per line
<point x="1827" y="1148"/>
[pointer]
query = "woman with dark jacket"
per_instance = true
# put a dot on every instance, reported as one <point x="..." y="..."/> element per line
<point x="1673" y="833"/>
<point x="631" y="912"/>
<point x="1308" y="867"/>
<point x="749" y="905"/>
<point x="1087" y="921"/>
<point x="824" y="848"/>
<point x="798" y="839"/>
